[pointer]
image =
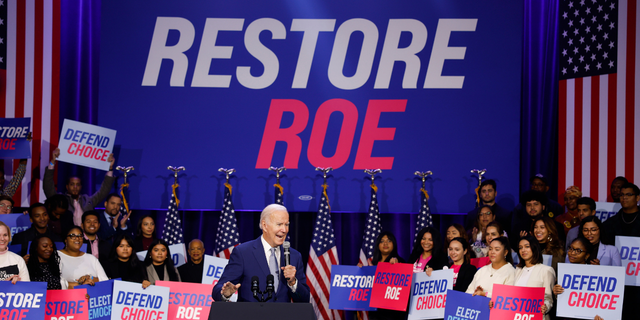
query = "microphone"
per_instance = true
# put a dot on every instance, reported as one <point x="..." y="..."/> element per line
<point x="270" y="287"/>
<point x="287" y="254"/>
<point x="254" y="287"/>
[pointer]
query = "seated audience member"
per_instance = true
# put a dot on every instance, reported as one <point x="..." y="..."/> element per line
<point x="427" y="253"/>
<point x="544" y="230"/>
<point x="488" y="193"/>
<point x="6" y="204"/>
<point x="616" y="188"/>
<point x="145" y="235"/>
<point x="111" y="220"/>
<point x="12" y="266"/>
<point x="44" y="265"/>
<point x="601" y="253"/>
<point x="586" y="208"/>
<point x="77" y="267"/>
<point x="463" y="271"/>
<point x="478" y="233"/>
<point x="499" y="271"/>
<point x="571" y="217"/>
<point x="534" y="203"/>
<point x="39" y="226"/>
<point x="60" y="219"/>
<point x="13" y="185"/>
<point x="192" y="270"/>
<point x="96" y="246"/>
<point x="78" y="203"/>
<point x="530" y="272"/>
<point x="123" y="263"/>
<point x="492" y="231"/>
<point x="158" y="262"/>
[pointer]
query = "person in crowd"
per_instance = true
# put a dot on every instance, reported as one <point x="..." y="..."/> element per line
<point x="77" y="267"/>
<point x="261" y="257"/>
<point x="625" y="222"/>
<point x="12" y="266"/>
<point x="158" y="262"/>
<point x="454" y="231"/>
<point x="488" y="193"/>
<point x="427" y="253"/>
<point x="60" y="219"/>
<point x="6" y="204"/>
<point x="96" y="246"/>
<point x="39" y="225"/>
<point x="463" y="271"/>
<point x="112" y="222"/>
<point x="530" y="271"/>
<point x="601" y="254"/>
<point x="192" y="270"/>
<point x="571" y="217"/>
<point x="479" y="231"/>
<point x="493" y="230"/>
<point x="123" y="263"/>
<point x="145" y="235"/>
<point x="78" y="203"/>
<point x="534" y="203"/>
<point x="616" y="188"/>
<point x="44" y="265"/>
<point x="544" y="230"/>
<point x="500" y="271"/>
<point x="13" y="185"/>
<point x="586" y="208"/>
<point x="386" y="250"/>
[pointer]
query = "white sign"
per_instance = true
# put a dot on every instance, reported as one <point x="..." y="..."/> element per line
<point x="429" y="294"/>
<point x="212" y="271"/>
<point x="178" y="254"/>
<point x="606" y="210"/>
<point x="590" y="290"/>
<point x="130" y="301"/>
<point x="85" y="144"/>
<point x="629" y="248"/>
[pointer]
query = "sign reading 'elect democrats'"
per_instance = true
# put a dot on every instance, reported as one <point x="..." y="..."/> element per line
<point x="463" y="306"/>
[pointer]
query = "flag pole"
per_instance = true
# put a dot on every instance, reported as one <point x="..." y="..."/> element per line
<point x="125" y="171"/>
<point x="172" y="230"/>
<point x="480" y="176"/>
<point x="424" y="216"/>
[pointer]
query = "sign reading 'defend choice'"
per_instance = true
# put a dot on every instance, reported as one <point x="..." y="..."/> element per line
<point x="606" y="210"/>
<point x="99" y="299"/>
<point x="590" y="290"/>
<point x="517" y="303"/>
<point x="212" y="271"/>
<point x="131" y="302"/>
<point x="23" y="300"/>
<point x="178" y="254"/>
<point x="188" y="300"/>
<point x="392" y="286"/>
<point x="13" y="138"/>
<point x="66" y="305"/>
<point x="351" y="287"/>
<point x="463" y="306"/>
<point x="429" y="294"/>
<point x="85" y="144"/>
<point x="629" y="248"/>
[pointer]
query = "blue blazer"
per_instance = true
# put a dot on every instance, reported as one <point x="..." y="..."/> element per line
<point x="248" y="260"/>
<point x="608" y="256"/>
<point x="106" y="231"/>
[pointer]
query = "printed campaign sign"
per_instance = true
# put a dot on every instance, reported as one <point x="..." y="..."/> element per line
<point x="13" y="138"/>
<point x="131" y="302"/>
<point x="86" y="144"/>
<point x="429" y="294"/>
<point x="188" y="300"/>
<point x="66" y="305"/>
<point x="590" y="290"/>
<point x="606" y="210"/>
<point x="480" y="262"/>
<point x="178" y="254"/>
<point x="212" y="271"/>
<point x="517" y="303"/>
<point x="463" y="306"/>
<point x="99" y="299"/>
<point x="392" y="286"/>
<point x="23" y="300"/>
<point x="16" y="222"/>
<point x="351" y="287"/>
<point x="629" y="248"/>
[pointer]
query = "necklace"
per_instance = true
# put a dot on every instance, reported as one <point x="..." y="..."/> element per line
<point x="630" y="222"/>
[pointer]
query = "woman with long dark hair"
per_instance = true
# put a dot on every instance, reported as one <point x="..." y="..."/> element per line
<point x="463" y="271"/>
<point x="124" y="263"/>
<point x="601" y="254"/>
<point x="386" y="249"/>
<point x="530" y="271"/>
<point x="145" y="234"/>
<point x="544" y="230"/>
<point x="427" y="253"/>
<point x="44" y="264"/>
<point x="499" y="271"/>
<point x="76" y="266"/>
<point x="158" y="262"/>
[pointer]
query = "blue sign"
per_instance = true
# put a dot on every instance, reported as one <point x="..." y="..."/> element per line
<point x="351" y="287"/>
<point x="17" y="222"/>
<point x="99" y="299"/>
<point x="13" y="138"/>
<point x="23" y="300"/>
<point x="361" y="84"/>
<point x="463" y="306"/>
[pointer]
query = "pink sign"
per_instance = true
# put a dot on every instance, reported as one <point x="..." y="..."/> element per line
<point x="517" y="303"/>
<point x="480" y="262"/>
<point x="67" y="305"/>
<point x="391" y="286"/>
<point x="188" y="300"/>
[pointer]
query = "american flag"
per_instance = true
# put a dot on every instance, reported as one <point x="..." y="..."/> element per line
<point x="172" y="232"/>
<point x="29" y="83"/>
<point x="280" y="200"/>
<point x="424" y="216"/>
<point x="372" y="229"/>
<point x="599" y="120"/>
<point x="322" y="255"/>
<point x="227" y="236"/>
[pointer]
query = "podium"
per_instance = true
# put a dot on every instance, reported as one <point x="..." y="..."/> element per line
<point x="262" y="311"/>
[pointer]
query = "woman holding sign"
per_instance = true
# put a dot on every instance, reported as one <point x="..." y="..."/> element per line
<point x="500" y="270"/>
<point x="427" y="254"/>
<point x="159" y="263"/>
<point x="78" y="267"/>
<point x="12" y="266"/>
<point x="601" y="254"/>
<point x="44" y="266"/>
<point x="123" y="263"/>
<point x="532" y="273"/>
<point x="463" y="271"/>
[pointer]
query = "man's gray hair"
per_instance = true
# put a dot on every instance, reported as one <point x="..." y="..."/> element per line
<point x="268" y="210"/>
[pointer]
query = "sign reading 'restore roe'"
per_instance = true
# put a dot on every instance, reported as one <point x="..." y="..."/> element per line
<point x="86" y="144"/>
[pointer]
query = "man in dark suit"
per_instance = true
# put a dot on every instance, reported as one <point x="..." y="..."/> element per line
<point x="39" y="225"/>
<point x="111" y="222"/>
<point x="261" y="257"/>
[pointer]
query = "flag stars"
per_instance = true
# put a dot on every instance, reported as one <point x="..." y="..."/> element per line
<point x="565" y="15"/>
<point x="599" y="65"/>
<point x="599" y="8"/>
<point x="611" y="45"/>
<point x="612" y="25"/>
<point x="610" y="64"/>
<point x="581" y="20"/>
<point x="612" y="6"/>
<point x="606" y="16"/>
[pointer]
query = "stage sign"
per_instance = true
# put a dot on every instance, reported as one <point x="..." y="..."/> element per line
<point x="391" y="286"/>
<point x="99" y="299"/>
<point x="400" y="86"/>
<point x="629" y="248"/>
<point x="188" y="300"/>
<point x="13" y="138"/>
<point x="517" y="303"/>
<point x="429" y="294"/>
<point x="66" y="305"/>
<point x="464" y="306"/>
<point x="351" y="287"/>
<point x="131" y="302"/>
<point x="85" y="144"/>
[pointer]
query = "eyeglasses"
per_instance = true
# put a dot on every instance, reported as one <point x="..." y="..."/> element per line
<point x="592" y="230"/>
<point x="8" y="206"/>
<point x="627" y="195"/>
<point x="385" y="241"/>
<point x="486" y="213"/>
<point x="574" y="250"/>
<point x="73" y="235"/>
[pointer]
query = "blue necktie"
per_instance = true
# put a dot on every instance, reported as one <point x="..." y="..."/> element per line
<point x="273" y="267"/>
